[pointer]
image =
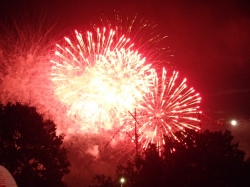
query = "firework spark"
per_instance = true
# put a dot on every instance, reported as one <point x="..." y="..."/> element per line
<point x="95" y="79"/>
<point x="169" y="107"/>
<point x="100" y="79"/>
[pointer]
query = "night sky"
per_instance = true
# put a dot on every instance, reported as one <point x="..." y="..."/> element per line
<point x="209" y="41"/>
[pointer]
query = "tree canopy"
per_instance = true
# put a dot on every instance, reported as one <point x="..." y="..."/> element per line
<point x="30" y="148"/>
<point x="199" y="159"/>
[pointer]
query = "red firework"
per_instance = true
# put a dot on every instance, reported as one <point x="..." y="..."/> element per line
<point x="170" y="106"/>
<point x="100" y="79"/>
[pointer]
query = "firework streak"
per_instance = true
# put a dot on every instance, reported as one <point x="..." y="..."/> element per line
<point x="169" y="107"/>
<point x="100" y="79"/>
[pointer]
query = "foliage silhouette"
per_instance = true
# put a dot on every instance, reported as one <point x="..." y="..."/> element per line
<point x="200" y="159"/>
<point x="206" y="159"/>
<point x="30" y="148"/>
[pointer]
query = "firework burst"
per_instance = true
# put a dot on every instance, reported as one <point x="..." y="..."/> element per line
<point x="95" y="79"/>
<point x="147" y="39"/>
<point x="100" y="79"/>
<point x="170" y="107"/>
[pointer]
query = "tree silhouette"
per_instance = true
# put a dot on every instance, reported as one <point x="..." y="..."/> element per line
<point x="103" y="181"/>
<point x="30" y="148"/>
<point x="199" y="159"/>
<point x="206" y="159"/>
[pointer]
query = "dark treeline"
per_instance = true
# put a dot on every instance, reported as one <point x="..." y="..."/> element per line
<point x="30" y="148"/>
<point x="200" y="159"/>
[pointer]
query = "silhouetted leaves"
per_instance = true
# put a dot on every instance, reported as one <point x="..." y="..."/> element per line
<point x="30" y="148"/>
<point x="208" y="159"/>
<point x="199" y="159"/>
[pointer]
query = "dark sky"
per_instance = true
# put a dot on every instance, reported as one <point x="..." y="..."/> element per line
<point x="210" y="41"/>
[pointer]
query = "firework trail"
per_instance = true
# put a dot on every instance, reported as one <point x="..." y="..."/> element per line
<point x="170" y="107"/>
<point x="26" y="45"/>
<point x="147" y="41"/>
<point x="100" y="79"/>
<point x="91" y="83"/>
<point x="94" y="79"/>
<point x="101" y="60"/>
